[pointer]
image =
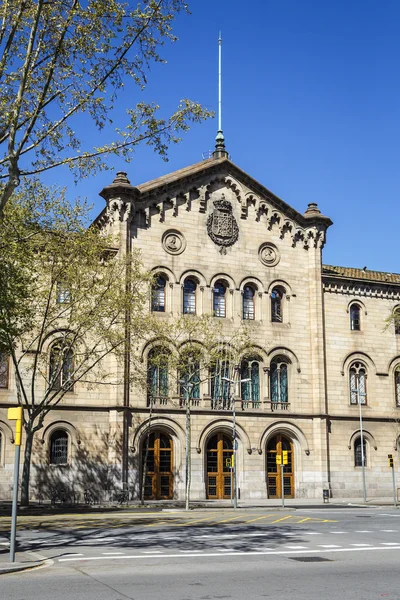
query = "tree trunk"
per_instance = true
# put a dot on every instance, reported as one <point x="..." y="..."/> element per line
<point x="188" y="454"/>
<point x="26" y="472"/>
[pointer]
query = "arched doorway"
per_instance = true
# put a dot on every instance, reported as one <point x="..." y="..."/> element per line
<point x="159" y="477"/>
<point x="219" y="456"/>
<point x="274" y="480"/>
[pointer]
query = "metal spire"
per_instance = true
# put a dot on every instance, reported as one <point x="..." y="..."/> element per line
<point x="220" y="151"/>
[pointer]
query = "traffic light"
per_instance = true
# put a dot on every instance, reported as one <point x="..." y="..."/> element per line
<point x="279" y="459"/>
<point x="284" y="457"/>
<point x="390" y="459"/>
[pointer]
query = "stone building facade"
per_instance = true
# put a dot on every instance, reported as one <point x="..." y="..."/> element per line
<point x="220" y="243"/>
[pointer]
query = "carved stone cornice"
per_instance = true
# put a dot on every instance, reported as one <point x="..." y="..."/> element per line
<point x="357" y="288"/>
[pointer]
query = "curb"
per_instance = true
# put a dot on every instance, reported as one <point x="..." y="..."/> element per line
<point x="18" y="567"/>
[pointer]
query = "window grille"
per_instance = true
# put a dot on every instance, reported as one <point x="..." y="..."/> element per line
<point x="279" y="381"/>
<point x="3" y="371"/>
<point x="158" y="295"/>
<point x="219" y="300"/>
<point x="189" y="297"/>
<point x="396" y="316"/>
<point x="61" y="367"/>
<point x="358" y="384"/>
<point x="355" y="321"/>
<point x="220" y="385"/>
<point x="63" y="293"/>
<point x="358" y="453"/>
<point x="276" y="306"/>
<point x="397" y="385"/>
<point x="59" y="448"/>
<point x="190" y="380"/>
<point x="157" y="375"/>
<point x="248" y="303"/>
<point x="250" y="390"/>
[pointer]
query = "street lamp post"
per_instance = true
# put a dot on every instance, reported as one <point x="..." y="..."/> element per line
<point x="233" y="400"/>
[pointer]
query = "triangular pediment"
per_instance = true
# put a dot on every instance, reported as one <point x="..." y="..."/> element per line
<point x="194" y="185"/>
<point x="195" y="188"/>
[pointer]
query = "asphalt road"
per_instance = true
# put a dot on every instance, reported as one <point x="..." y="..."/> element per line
<point x="318" y="553"/>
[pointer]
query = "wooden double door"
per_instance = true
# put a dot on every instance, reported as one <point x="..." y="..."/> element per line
<point x="274" y="479"/>
<point x="219" y="477"/>
<point x="158" y="466"/>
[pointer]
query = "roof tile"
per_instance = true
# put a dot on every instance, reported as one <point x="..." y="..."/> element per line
<point x="365" y="274"/>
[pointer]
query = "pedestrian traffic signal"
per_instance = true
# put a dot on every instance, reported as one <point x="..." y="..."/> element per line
<point x="390" y="459"/>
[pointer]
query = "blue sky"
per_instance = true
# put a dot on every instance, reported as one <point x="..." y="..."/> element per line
<point x="310" y="109"/>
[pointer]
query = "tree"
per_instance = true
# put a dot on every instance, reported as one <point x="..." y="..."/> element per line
<point x="65" y="294"/>
<point x="195" y="349"/>
<point x="63" y="59"/>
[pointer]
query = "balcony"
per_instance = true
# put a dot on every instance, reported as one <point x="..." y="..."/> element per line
<point x="217" y="404"/>
<point x="277" y="406"/>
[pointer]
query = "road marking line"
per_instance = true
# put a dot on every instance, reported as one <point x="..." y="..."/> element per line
<point x="362" y="531"/>
<point x="389" y="530"/>
<point x="329" y="521"/>
<point x="232" y="519"/>
<point x="187" y="551"/>
<point x="282" y="519"/>
<point x="311" y="533"/>
<point x="297" y="547"/>
<point x="237" y="553"/>
<point x="390" y="543"/>
<point x="336" y="532"/>
<point x="328" y="546"/>
<point x="360" y="545"/>
<point x="225" y="550"/>
<point x="112" y="553"/>
<point x="155" y="524"/>
<point x="304" y="520"/>
<point x="152" y="551"/>
<point x="259" y="518"/>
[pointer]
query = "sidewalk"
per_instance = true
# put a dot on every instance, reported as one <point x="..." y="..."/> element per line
<point x="170" y="505"/>
<point x="24" y="561"/>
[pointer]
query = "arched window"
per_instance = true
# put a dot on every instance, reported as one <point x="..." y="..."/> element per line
<point x="219" y="304"/>
<point x="276" y="305"/>
<point x="221" y="388"/>
<point x="157" y="376"/>
<point x="248" y="302"/>
<point x="358" y="384"/>
<point x="61" y="367"/>
<point x="360" y="451"/>
<point x="279" y="383"/>
<point x="59" y="447"/>
<point x="396" y="317"/>
<point x="189" y="380"/>
<point x="158" y="294"/>
<point x="3" y="371"/>
<point x="250" y="381"/>
<point x="397" y="385"/>
<point x="355" y="321"/>
<point x="189" y="297"/>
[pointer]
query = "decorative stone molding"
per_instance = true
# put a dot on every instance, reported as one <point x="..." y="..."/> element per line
<point x="369" y="290"/>
<point x="269" y="254"/>
<point x="173" y="241"/>
<point x="221" y="224"/>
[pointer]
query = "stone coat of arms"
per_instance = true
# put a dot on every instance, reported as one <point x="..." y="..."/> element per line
<point x="221" y="224"/>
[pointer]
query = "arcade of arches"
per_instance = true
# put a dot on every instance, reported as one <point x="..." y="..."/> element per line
<point x="157" y="459"/>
